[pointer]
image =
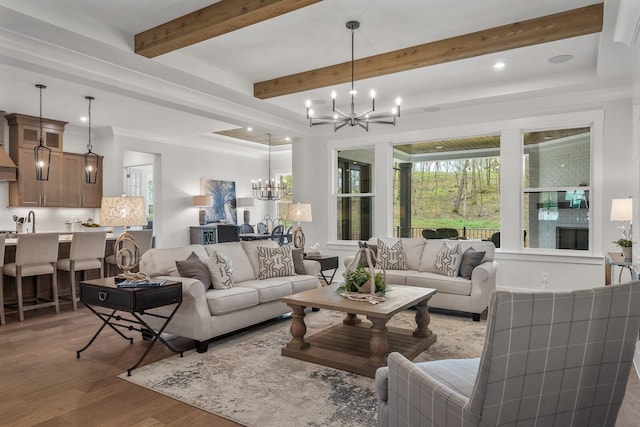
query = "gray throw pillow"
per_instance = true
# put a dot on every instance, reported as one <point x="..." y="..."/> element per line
<point x="363" y="259"/>
<point x="298" y="260"/>
<point x="470" y="260"/>
<point x="194" y="268"/>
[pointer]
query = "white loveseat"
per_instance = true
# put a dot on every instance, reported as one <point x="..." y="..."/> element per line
<point x="208" y="313"/>
<point x="454" y="293"/>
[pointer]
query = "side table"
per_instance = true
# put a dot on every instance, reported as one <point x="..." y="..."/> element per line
<point x="103" y="293"/>
<point x="326" y="263"/>
<point x="615" y="259"/>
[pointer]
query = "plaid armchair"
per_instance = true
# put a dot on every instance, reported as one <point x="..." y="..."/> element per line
<point x="558" y="358"/>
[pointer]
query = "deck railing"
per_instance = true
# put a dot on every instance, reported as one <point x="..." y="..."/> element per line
<point x="465" y="233"/>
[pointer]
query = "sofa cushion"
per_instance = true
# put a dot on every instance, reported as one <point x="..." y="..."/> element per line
<point x="251" y="250"/>
<point x="448" y="260"/>
<point x="304" y="282"/>
<point x="413" y="249"/>
<point x="221" y="270"/>
<point x="162" y="262"/>
<point x="444" y="284"/>
<point x="397" y="277"/>
<point x="221" y="301"/>
<point x="470" y="260"/>
<point x="270" y="289"/>
<point x="275" y="262"/>
<point x="194" y="268"/>
<point x="242" y="269"/>
<point x="392" y="255"/>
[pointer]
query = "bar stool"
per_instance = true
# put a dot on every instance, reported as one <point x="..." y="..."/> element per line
<point x="143" y="238"/>
<point x="36" y="255"/>
<point x="3" y="237"/>
<point x="86" y="253"/>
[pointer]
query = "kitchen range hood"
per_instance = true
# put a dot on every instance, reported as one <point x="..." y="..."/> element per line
<point x="7" y="167"/>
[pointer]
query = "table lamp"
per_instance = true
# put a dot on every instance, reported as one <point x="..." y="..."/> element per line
<point x="201" y="202"/>
<point x="245" y="202"/>
<point x="622" y="210"/>
<point x="124" y="212"/>
<point x="300" y="212"/>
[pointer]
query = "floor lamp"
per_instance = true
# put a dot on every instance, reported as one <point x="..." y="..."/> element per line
<point x="300" y="212"/>
<point x="124" y="212"/>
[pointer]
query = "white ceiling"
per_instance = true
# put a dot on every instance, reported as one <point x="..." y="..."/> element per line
<point x="85" y="47"/>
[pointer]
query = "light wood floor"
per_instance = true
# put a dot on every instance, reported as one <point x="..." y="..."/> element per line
<point x="42" y="383"/>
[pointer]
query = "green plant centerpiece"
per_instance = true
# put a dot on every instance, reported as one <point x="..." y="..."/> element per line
<point x="624" y="243"/>
<point x="356" y="279"/>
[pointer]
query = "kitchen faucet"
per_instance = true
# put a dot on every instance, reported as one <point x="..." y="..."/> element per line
<point x="31" y="215"/>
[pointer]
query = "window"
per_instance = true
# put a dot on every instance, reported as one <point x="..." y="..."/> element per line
<point x="355" y="194"/>
<point x="556" y="188"/>
<point x="452" y="185"/>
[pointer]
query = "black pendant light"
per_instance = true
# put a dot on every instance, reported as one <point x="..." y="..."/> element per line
<point x="41" y="153"/>
<point x="90" y="158"/>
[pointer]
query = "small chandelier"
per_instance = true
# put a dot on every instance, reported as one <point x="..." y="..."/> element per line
<point x="340" y="119"/>
<point x="268" y="190"/>
<point x="90" y="158"/>
<point x="42" y="154"/>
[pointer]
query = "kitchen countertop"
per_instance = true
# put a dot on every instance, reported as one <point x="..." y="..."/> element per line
<point x="65" y="236"/>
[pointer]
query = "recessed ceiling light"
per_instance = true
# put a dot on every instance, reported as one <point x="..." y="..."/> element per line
<point x="287" y="139"/>
<point x="439" y="147"/>
<point x="249" y="128"/>
<point x="559" y="59"/>
<point x="83" y="119"/>
<point x="499" y="65"/>
<point x="431" y="109"/>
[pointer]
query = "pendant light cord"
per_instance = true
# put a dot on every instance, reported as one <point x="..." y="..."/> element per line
<point x="89" y="145"/>
<point x="269" y="176"/>
<point x="41" y="87"/>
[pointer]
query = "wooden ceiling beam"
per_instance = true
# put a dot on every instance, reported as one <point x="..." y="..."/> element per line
<point x="571" y="23"/>
<point x="211" y="21"/>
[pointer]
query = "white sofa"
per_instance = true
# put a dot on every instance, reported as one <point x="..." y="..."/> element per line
<point x="454" y="293"/>
<point x="208" y="313"/>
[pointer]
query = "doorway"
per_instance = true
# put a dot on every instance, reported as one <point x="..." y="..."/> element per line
<point x="138" y="168"/>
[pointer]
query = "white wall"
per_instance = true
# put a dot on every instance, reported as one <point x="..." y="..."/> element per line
<point x="178" y="170"/>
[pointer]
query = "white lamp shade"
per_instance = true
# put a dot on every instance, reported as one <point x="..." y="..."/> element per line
<point x="203" y="200"/>
<point x="122" y="211"/>
<point x="300" y="212"/>
<point x="244" y="202"/>
<point x="622" y="209"/>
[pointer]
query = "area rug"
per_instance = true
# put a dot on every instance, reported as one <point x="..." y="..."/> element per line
<point x="244" y="378"/>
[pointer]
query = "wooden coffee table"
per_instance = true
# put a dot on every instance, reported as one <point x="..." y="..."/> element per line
<point x="354" y="345"/>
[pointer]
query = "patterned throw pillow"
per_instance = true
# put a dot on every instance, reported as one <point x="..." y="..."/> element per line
<point x="448" y="260"/>
<point x="391" y="257"/>
<point x="221" y="271"/>
<point x="275" y="262"/>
